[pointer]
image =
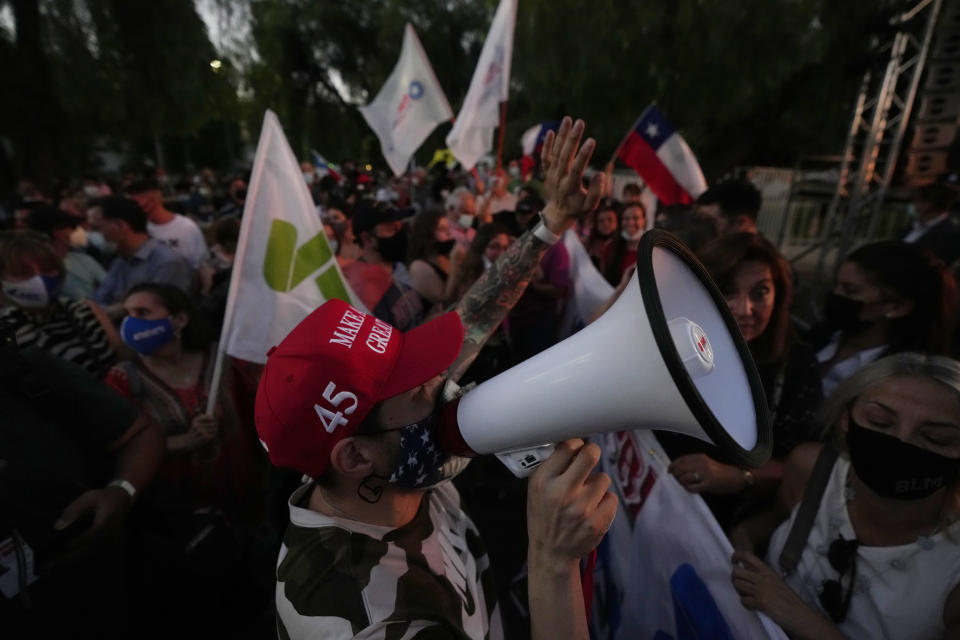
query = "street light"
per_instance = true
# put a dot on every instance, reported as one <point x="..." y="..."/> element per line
<point x="215" y="65"/>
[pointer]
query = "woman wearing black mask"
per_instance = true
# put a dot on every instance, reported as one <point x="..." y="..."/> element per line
<point x="879" y="556"/>
<point x="434" y="260"/>
<point x="889" y="297"/>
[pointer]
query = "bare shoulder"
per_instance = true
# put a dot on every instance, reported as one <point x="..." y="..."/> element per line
<point x="418" y="267"/>
<point x="801" y="460"/>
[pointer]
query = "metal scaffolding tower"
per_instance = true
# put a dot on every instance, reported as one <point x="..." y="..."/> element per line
<point x="876" y="132"/>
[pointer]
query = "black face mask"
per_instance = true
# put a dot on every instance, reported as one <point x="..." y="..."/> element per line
<point x="394" y="248"/>
<point x="843" y="314"/>
<point x="339" y="228"/>
<point x="893" y="468"/>
<point x="444" y="248"/>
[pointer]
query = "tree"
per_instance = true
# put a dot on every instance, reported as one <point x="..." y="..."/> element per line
<point x="134" y="74"/>
<point x="304" y="46"/>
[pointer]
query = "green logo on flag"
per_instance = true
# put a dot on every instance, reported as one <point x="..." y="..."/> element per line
<point x="285" y="265"/>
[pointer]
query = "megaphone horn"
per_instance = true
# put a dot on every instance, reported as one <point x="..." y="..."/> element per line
<point x="667" y="355"/>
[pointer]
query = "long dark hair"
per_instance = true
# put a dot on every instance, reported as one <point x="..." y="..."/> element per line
<point x="916" y="275"/>
<point x="422" y="236"/>
<point x="612" y="270"/>
<point x="473" y="262"/>
<point x="607" y="204"/>
<point x="196" y="336"/>
<point x="723" y="255"/>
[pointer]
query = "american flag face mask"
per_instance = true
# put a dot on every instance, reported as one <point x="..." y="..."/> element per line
<point x="420" y="461"/>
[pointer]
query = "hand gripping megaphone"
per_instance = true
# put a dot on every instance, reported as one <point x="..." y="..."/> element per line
<point x="667" y="355"/>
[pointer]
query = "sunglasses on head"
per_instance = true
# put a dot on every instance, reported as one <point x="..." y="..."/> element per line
<point x="843" y="558"/>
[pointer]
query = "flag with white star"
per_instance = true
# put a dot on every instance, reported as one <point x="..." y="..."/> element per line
<point x="660" y="156"/>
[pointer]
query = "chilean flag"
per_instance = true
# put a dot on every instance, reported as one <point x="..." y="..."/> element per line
<point x="532" y="138"/>
<point x="660" y="156"/>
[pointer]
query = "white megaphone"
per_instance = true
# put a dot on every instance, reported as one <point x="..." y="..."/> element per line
<point x="667" y="355"/>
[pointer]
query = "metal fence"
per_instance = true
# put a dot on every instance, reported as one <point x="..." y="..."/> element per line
<point x="794" y="212"/>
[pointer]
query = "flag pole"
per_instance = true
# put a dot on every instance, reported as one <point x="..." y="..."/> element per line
<point x="245" y="221"/>
<point x="503" y="128"/>
<point x="410" y="179"/>
<point x="613" y="158"/>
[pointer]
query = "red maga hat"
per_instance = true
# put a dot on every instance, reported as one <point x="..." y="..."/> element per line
<point x="330" y="371"/>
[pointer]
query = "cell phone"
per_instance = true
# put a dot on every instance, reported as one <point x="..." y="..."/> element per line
<point x="57" y="545"/>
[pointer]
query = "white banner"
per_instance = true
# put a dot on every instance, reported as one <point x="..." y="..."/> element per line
<point x="472" y="133"/>
<point x="590" y="288"/>
<point x="663" y="569"/>
<point x="284" y="268"/>
<point x="409" y="106"/>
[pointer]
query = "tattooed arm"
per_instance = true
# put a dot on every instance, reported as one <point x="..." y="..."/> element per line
<point x="492" y="296"/>
<point x="489" y="300"/>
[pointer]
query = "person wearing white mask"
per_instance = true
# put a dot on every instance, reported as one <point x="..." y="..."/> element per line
<point x="32" y="277"/>
<point x="97" y="245"/>
<point x="461" y="210"/>
<point x="93" y="188"/>
<point x="621" y="254"/>
<point x="84" y="274"/>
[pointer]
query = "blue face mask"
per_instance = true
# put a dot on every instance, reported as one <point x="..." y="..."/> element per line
<point x="146" y="336"/>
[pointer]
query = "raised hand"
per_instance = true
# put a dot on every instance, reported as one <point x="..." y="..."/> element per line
<point x="564" y="160"/>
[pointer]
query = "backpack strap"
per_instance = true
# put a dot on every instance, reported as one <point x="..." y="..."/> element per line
<point x="807" y="513"/>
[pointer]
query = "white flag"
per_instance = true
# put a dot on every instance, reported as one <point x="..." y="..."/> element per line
<point x="472" y="133"/>
<point x="409" y="106"/>
<point x="590" y="288"/>
<point x="284" y="268"/>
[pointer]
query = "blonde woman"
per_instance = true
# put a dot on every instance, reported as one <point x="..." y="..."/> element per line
<point x="879" y="557"/>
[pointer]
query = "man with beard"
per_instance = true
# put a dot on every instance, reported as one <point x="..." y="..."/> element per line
<point x="378" y="545"/>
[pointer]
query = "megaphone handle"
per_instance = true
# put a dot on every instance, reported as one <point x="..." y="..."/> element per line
<point x="522" y="462"/>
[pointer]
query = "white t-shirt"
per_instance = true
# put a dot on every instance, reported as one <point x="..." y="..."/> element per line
<point x="899" y="592"/>
<point x="183" y="236"/>
<point x="842" y="370"/>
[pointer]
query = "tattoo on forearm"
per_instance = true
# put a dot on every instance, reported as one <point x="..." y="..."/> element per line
<point x="485" y="305"/>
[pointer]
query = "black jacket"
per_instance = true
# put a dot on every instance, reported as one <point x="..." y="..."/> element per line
<point x="942" y="239"/>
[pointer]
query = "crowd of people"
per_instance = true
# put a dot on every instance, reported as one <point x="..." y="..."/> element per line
<point x="113" y="294"/>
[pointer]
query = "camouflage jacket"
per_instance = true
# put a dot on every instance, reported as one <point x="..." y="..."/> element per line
<point x="431" y="578"/>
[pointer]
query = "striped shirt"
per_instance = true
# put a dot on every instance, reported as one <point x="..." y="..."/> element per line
<point x="68" y="329"/>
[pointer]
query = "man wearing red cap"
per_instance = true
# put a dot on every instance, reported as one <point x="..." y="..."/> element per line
<point x="378" y="545"/>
